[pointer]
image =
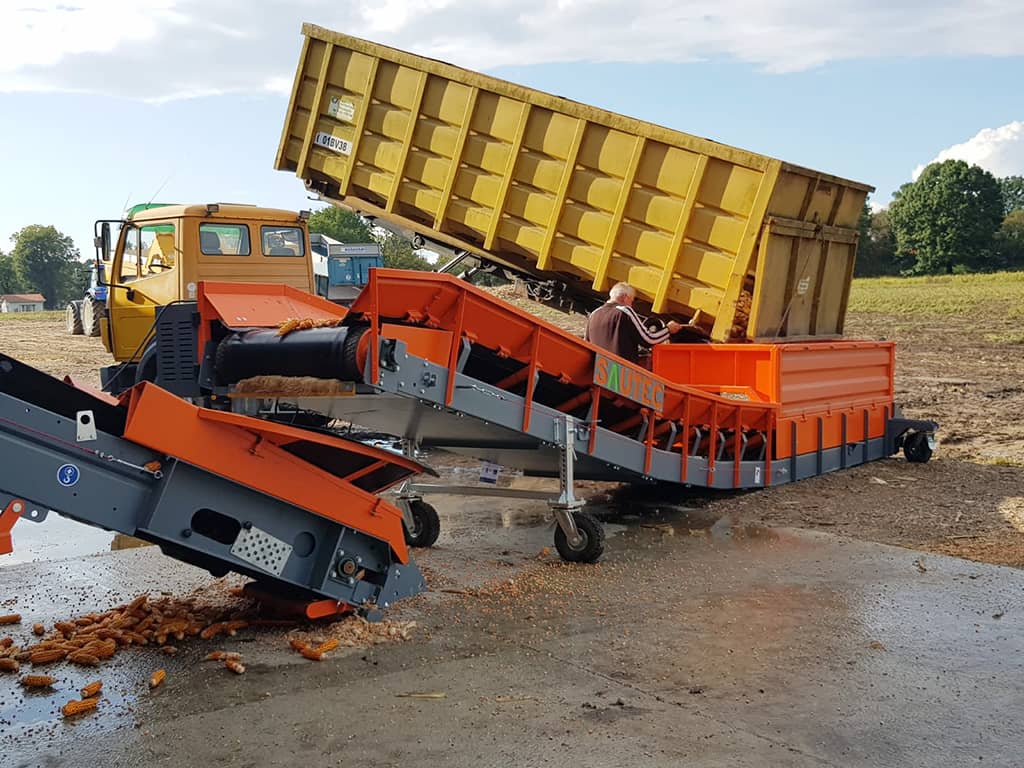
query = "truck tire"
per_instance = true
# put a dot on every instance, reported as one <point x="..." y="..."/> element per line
<point x="91" y="313"/>
<point x="73" y="318"/>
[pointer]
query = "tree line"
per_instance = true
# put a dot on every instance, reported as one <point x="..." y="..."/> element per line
<point x="44" y="261"/>
<point x="955" y="218"/>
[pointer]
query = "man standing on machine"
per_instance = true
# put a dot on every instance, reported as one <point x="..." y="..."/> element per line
<point x="617" y="327"/>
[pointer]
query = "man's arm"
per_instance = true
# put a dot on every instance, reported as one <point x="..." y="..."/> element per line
<point x="648" y="337"/>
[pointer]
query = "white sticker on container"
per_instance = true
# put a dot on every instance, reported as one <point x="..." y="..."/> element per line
<point x="333" y="143"/>
<point x="341" y="109"/>
<point x="803" y="286"/>
<point x="757" y="475"/>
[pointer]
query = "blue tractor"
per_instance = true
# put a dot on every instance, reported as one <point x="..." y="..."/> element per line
<point x="83" y="316"/>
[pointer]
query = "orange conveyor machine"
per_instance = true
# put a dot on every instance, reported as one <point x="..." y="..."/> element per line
<point x="440" y="363"/>
<point x="298" y="512"/>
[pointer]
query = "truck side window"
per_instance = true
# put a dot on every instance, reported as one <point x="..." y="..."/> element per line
<point x="282" y="241"/>
<point x="148" y="250"/>
<point x="224" y="239"/>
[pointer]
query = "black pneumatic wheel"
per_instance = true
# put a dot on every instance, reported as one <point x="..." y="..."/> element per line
<point x="591" y="544"/>
<point x="426" y="525"/>
<point x="73" y="318"/>
<point x="91" y="312"/>
<point x="916" y="447"/>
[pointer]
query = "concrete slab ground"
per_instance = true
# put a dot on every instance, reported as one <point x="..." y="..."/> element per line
<point x="694" y="642"/>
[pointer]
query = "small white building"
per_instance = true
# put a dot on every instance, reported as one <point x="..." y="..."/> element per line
<point x="21" y="302"/>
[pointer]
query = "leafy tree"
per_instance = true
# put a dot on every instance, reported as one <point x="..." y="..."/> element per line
<point x="44" y="261"/>
<point x="1010" y="240"/>
<point x="1013" y="193"/>
<point x="9" y="282"/>
<point x="398" y="253"/>
<point x="876" y="249"/>
<point x="341" y="224"/>
<point x="79" y="275"/>
<point x="946" y="221"/>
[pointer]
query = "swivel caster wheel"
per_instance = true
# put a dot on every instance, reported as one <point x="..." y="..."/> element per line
<point x="426" y="525"/>
<point x="589" y="547"/>
<point x="917" y="447"/>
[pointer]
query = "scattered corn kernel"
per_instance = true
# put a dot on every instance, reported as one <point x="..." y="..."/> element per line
<point x="73" y="708"/>
<point x="37" y="681"/>
<point x="157" y="677"/>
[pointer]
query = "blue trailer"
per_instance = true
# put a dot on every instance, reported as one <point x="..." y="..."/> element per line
<point x="342" y="269"/>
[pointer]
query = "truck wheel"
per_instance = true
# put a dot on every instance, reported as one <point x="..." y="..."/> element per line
<point x="73" y="318"/>
<point x="426" y="525"/>
<point x="916" y="447"/>
<point x="591" y="544"/>
<point x="91" y="312"/>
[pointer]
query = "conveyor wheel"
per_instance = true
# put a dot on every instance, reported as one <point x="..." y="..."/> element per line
<point x="426" y="525"/>
<point x="917" y="447"/>
<point x="591" y="544"/>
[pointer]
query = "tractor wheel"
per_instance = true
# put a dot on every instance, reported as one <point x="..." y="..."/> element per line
<point x="917" y="447"/>
<point x="73" y="318"/>
<point x="92" y="311"/>
<point x="591" y="544"/>
<point x="426" y="525"/>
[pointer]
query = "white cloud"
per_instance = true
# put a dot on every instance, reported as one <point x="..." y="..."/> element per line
<point x="1000" y="151"/>
<point x="166" y="49"/>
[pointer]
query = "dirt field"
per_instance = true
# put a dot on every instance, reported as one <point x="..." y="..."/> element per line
<point x="960" y="361"/>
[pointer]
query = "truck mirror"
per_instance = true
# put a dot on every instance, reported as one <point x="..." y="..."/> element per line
<point x="104" y="252"/>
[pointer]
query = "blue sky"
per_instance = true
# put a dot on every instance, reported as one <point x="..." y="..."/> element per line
<point x="70" y="157"/>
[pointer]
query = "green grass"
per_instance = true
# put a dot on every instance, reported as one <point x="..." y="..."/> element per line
<point x="54" y="314"/>
<point x="997" y="293"/>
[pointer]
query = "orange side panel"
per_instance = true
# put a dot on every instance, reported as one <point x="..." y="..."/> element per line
<point x="830" y="376"/>
<point x="98" y="394"/>
<point x="258" y="305"/>
<point x="247" y="451"/>
<point x="832" y="429"/>
<point x="428" y="343"/>
<point x="438" y="301"/>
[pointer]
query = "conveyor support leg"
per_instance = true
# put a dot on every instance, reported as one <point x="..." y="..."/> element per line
<point x="567" y="504"/>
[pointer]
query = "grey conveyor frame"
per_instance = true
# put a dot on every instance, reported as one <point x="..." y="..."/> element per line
<point x="114" y="490"/>
<point x="485" y="422"/>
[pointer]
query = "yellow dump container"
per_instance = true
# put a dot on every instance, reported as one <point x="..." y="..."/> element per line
<point x="748" y="245"/>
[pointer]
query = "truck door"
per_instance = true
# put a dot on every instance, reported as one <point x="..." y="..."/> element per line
<point x="144" y="277"/>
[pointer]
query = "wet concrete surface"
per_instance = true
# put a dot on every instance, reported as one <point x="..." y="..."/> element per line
<point x="695" y="641"/>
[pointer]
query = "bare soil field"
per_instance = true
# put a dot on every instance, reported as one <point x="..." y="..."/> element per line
<point x="960" y="361"/>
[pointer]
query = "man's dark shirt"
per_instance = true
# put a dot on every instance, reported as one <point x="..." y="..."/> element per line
<point x="620" y="330"/>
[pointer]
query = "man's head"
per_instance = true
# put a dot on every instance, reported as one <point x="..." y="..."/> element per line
<point x="622" y="293"/>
